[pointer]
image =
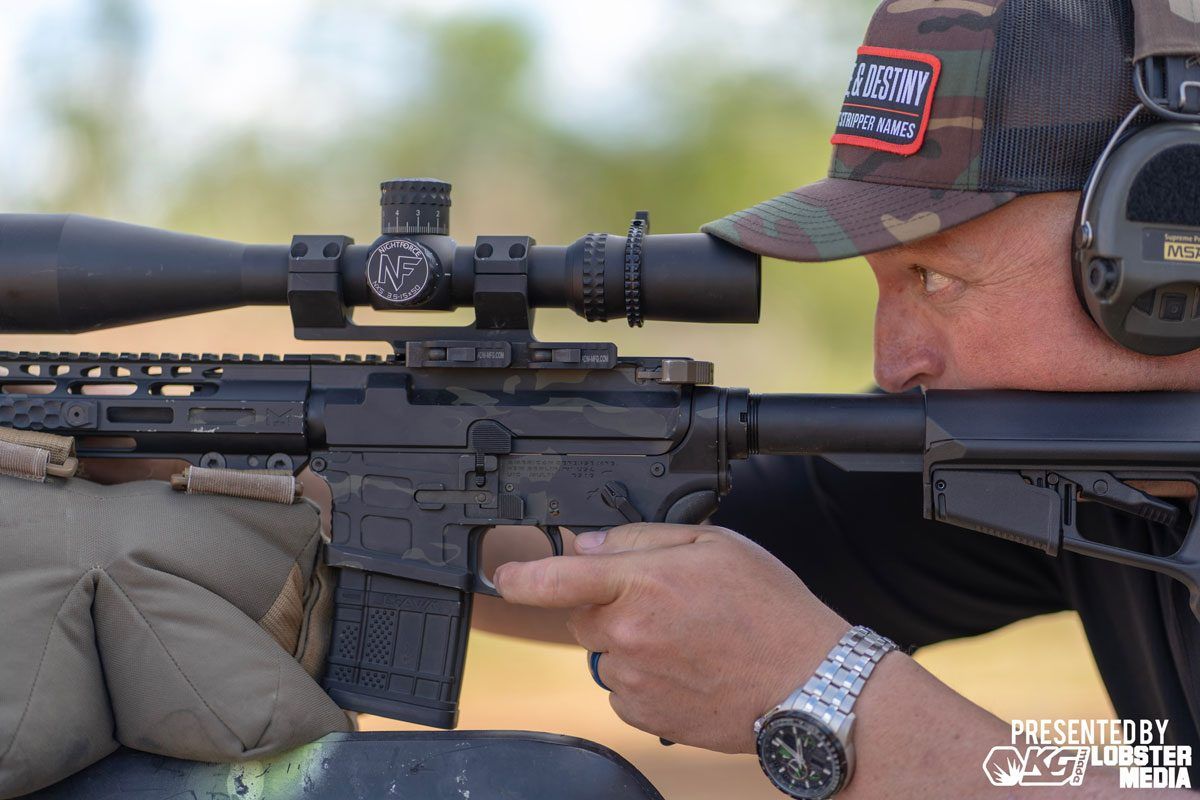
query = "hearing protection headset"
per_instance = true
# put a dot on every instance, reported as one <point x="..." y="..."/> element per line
<point x="1137" y="245"/>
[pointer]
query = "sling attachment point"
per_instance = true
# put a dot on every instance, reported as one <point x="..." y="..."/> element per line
<point x="32" y="455"/>
<point x="273" y="486"/>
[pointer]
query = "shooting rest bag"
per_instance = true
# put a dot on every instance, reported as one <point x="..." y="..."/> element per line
<point x="187" y="625"/>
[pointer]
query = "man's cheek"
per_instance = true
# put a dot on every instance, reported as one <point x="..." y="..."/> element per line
<point x="1005" y="359"/>
<point x="979" y="358"/>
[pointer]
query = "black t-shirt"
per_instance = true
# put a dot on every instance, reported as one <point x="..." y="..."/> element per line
<point x="860" y="543"/>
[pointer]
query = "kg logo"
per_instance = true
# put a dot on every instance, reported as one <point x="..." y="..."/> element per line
<point x="400" y="271"/>
<point x="1036" y="765"/>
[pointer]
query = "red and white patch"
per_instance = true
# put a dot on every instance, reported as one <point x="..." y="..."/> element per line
<point x="888" y="100"/>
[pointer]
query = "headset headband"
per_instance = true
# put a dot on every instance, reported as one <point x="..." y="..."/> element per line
<point x="1166" y="57"/>
<point x="1160" y="28"/>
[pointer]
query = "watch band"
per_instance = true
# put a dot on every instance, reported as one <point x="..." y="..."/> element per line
<point x="824" y="706"/>
<point x="831" y="692"/>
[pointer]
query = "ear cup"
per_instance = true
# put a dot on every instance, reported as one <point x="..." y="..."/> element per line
<point x="1137" y="256"/>
<point x="1166" y="190"/>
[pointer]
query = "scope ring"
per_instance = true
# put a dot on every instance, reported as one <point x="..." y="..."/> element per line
<point x="633" y="268"/>
<point x="594" y="309"/>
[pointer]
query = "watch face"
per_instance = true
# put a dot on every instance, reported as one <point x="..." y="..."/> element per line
<point x="801" y="756"/>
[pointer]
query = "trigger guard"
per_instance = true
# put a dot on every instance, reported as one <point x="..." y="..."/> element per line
<point x="555" y="536"/>
<point x="483" y="584"/>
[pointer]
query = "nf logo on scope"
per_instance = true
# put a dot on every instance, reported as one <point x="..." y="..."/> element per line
<point x="399" y="271"/>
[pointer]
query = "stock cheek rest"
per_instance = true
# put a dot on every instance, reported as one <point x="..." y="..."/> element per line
<point x="187" y="625"/>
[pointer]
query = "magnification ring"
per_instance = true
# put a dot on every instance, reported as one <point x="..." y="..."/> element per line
<point x="633" y="273"/>
<point x="593" y="277"/>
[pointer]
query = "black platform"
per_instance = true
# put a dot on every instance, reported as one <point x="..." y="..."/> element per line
<point x="456" y="765"/>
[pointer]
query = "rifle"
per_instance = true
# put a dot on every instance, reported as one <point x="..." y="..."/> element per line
<point x="466" y="428"/>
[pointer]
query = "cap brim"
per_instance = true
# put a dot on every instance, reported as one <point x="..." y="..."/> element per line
<point x="838" y="218"/>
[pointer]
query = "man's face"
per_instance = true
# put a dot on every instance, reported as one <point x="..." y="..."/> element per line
<point x="990" y="304"/>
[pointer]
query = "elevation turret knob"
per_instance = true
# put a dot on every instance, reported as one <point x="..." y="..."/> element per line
<point x="412" y="206"/>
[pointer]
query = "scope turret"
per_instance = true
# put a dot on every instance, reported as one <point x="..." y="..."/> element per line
<point x="414" y="206"/>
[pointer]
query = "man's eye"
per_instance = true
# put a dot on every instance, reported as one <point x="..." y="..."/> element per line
<point x="931" y="281"/>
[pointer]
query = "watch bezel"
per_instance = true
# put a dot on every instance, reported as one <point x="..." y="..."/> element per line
<point x="810" y="720"/>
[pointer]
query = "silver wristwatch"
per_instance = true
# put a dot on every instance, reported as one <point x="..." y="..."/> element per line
<point x="805" y="743"/>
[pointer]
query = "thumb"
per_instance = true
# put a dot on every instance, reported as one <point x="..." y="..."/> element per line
<point x="559" y="581"/>
<point x="636" y="536"/>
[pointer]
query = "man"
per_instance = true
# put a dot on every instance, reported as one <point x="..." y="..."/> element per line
<point x="968" y="129"/>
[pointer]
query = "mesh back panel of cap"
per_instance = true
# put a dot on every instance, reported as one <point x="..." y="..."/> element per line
<point x="1060" y="83"/>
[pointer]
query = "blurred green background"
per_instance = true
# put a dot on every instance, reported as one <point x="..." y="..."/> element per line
<point x="255" y="121"/>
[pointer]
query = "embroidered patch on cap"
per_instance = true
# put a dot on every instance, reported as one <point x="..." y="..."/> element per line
<point x="888" y="100"/>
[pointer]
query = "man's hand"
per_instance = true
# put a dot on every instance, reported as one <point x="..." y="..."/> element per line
<point x="701" y="629"/>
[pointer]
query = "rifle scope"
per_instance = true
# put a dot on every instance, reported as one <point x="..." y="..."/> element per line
<point x="70" y="273"/>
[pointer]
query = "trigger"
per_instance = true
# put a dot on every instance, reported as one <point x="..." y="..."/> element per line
<point x="555" y="536"/>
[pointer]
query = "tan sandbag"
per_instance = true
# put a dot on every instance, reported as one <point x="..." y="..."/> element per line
<point x="179" y="624"/>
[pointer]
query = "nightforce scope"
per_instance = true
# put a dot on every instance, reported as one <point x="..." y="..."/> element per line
<point x="70" y="273"/>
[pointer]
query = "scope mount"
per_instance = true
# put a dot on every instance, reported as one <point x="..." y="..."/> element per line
<point x="415" y="214"/>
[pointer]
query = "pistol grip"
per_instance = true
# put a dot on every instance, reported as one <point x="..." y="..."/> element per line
<point x="397" y="647"/>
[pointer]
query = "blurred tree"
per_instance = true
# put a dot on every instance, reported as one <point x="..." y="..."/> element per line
<point x="86" y="94"/>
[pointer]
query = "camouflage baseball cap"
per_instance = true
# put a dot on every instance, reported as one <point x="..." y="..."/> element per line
<point x="953" y="108"/>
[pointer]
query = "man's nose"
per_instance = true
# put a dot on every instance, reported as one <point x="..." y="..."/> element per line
<point x="906" y="352"/>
